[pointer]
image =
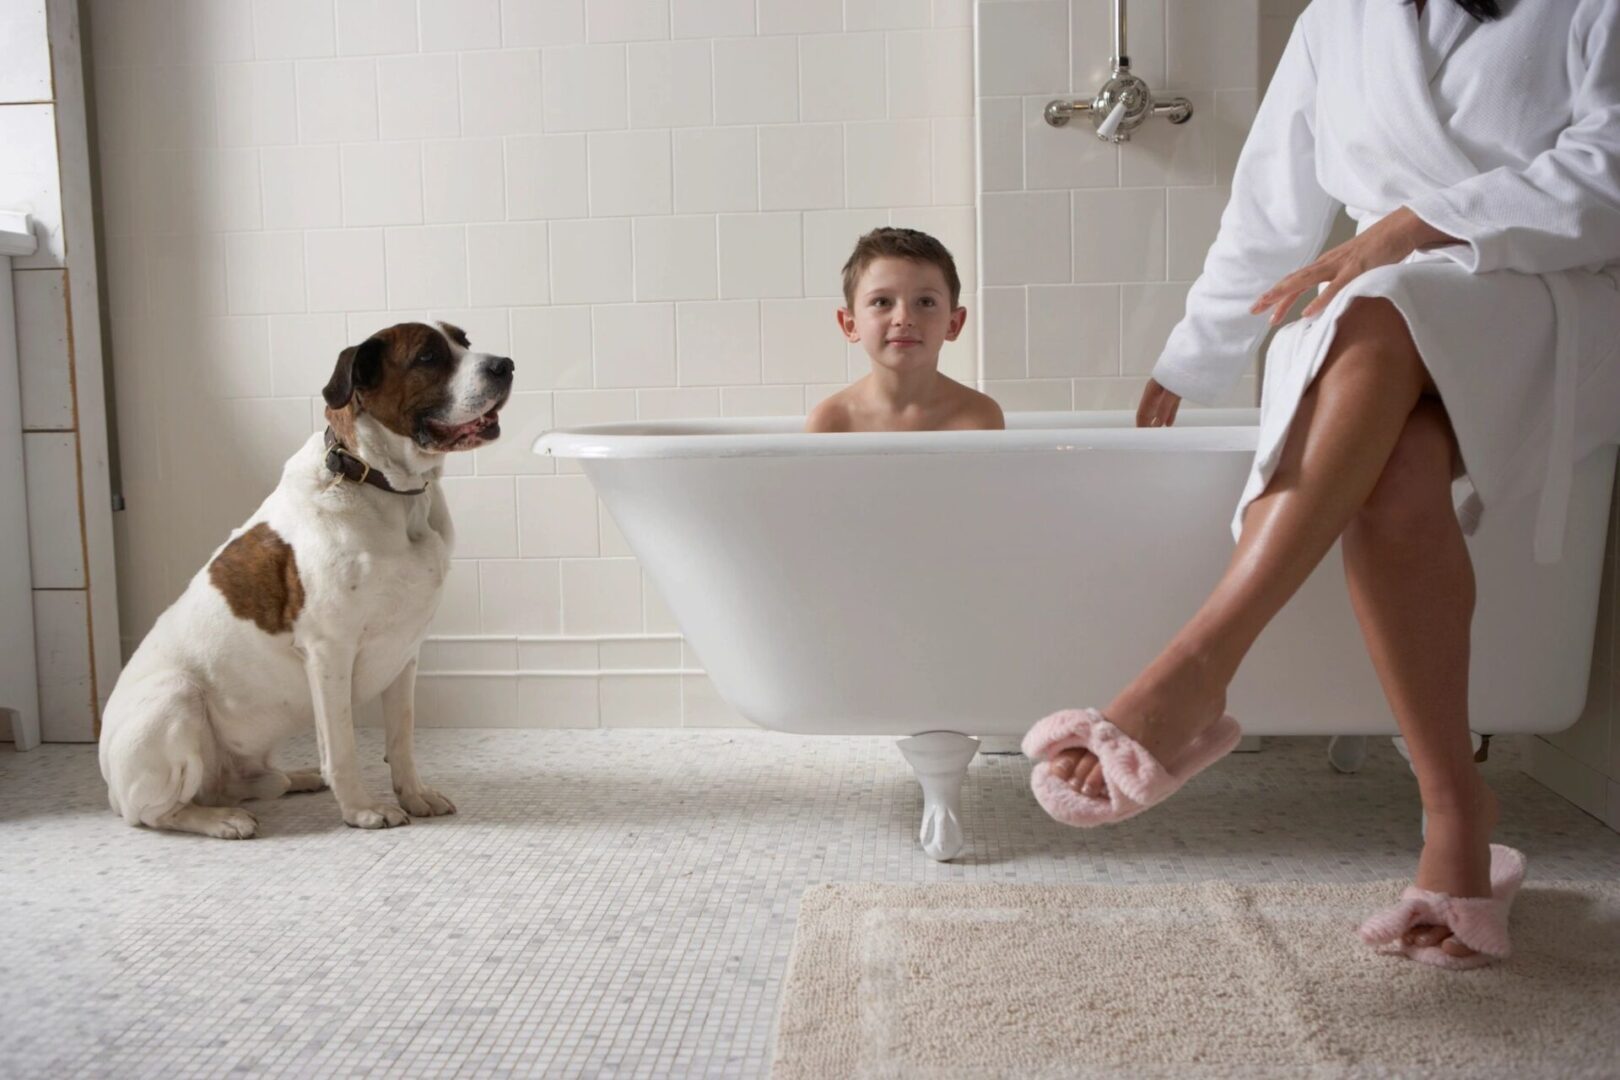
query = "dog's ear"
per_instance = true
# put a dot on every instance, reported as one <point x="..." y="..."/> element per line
<point x="357" y="369"/>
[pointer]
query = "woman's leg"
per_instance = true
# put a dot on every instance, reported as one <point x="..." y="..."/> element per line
<point x="1412" y="586"/>
<point x="1343" y="434"/>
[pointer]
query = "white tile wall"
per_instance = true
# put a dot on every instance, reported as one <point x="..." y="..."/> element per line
<point x="43" y="352"/>
<point x="646" y="204"/>
<point x="1089" y="247"/>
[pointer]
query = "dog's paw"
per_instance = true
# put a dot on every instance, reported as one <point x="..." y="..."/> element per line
<point x="231" y="823"/>
<point x="377" y="816"/>
<point x="425" y="802"/>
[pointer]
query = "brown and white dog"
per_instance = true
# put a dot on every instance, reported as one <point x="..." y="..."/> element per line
<point x="319" y="601"/>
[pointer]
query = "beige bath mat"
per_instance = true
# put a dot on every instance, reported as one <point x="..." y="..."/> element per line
<point x="1212" y="980"/>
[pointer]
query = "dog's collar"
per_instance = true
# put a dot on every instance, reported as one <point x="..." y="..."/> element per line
<point x="351" y="466"/>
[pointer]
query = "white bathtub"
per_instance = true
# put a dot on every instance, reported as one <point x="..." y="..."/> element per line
<point x="971" y="582"/>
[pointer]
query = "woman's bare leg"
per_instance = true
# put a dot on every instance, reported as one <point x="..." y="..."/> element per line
<point x="1347" y="425"/>
<point x="1412" y="586"/>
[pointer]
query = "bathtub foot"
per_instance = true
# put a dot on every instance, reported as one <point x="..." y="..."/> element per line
<point x="1347" y="753"/>
<point x="940" y="761"/>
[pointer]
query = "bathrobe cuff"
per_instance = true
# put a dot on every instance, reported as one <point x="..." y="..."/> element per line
<point x="1438" y="211"/>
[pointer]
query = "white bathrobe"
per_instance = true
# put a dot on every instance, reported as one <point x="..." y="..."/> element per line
<point x="1505" y="134"/>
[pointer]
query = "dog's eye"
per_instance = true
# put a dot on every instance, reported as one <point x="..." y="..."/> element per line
<point x="422" y="360"/>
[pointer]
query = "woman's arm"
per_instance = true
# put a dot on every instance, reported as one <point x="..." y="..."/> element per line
<point x="1275" y="222"/>
<point x="1563" y="209"/>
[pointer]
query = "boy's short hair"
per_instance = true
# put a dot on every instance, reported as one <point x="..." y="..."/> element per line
<point x="889" y="242"/>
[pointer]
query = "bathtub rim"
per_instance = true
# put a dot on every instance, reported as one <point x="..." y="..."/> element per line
<point x="1196" y="430"/>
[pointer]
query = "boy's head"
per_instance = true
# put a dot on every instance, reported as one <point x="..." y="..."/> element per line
<point x="901" y="292"/>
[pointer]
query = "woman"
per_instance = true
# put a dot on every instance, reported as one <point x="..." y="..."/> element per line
<point x="1469" y="330"/>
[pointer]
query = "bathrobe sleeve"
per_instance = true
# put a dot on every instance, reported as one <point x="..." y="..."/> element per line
<point x="1275" y="222"/>
<point x="1562" y="210"/>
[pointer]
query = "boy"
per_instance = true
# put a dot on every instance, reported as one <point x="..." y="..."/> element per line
<point x="901" y="292"/>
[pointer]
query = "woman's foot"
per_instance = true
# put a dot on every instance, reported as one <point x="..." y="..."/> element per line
<point x="1456" y="857"/>
<point x="1164" y="708"/>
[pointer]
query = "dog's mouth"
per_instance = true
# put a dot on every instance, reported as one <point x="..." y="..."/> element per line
<point x="468" y="436"/>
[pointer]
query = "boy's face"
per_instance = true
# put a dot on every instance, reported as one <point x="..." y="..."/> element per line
<point x="902" y="314"/>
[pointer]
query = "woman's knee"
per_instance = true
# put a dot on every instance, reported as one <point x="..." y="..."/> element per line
<point x="1372" y="335"/>
<point x="1413" y="494"/>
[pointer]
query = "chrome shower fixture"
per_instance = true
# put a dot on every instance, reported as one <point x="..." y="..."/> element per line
<point x="1124" y="101"/>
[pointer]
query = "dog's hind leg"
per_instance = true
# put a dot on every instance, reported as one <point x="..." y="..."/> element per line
<point x="158" y="755"/>
<point x="273" y="784"/>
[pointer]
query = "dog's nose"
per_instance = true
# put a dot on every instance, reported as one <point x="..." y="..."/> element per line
<point x="501" y="367"/>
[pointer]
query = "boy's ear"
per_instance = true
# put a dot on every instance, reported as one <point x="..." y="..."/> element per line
<point x="958" y="320"/>
<point x="846" y="323"/>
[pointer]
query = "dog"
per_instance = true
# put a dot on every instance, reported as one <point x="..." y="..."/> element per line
<point x="321" y="600"/>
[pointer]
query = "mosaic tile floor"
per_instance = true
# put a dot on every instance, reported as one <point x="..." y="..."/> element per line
<point x="605" y="904"/>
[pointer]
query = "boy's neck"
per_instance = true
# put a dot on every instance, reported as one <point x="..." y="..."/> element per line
<point x="900" y="389"/>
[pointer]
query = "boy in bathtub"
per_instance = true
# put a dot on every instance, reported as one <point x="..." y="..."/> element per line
<point x="900" y="297"/>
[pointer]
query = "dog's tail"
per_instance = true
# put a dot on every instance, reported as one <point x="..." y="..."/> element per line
<point x="157" y="748"/>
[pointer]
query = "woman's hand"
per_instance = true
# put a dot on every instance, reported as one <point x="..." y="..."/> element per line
<point x="1391" y="240"/>
<point x="1158" y="406"/>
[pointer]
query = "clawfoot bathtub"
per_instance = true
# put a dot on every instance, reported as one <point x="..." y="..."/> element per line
<point x="946" y="585"/>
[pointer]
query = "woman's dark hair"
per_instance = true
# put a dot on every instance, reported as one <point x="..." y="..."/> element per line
<point x="1481" y="9"/>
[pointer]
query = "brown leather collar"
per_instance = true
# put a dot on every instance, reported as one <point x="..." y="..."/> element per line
<point x="347" y="464"/>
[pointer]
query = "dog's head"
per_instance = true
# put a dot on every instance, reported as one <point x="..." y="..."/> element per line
<point x="424" y="383"/>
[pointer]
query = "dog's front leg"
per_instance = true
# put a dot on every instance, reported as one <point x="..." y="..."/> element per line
<point x="399" y="716"/>
<point x="331" y="684"/>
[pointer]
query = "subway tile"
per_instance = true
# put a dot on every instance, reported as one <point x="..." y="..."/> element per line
<point x="426" y="266"/>
<point x="25" y="55"/>
<point x="887" y="14"/>
<point x="801" y="167"/>
<point x="337" y="100"/>
<point x="264" y="272"/>
<point x="455" y="656"/>
<point x="931" y="73"/>
<point x="382" y="183"/>
<point x="711" y="18"/>
<point x="613" y="542"/>
<point x="888" y="163"/>
<point x="188" y="273"/>
<point x="718" y="344"/>
<point x="30" y="179"/>
<point x="67" y="711"/>
<point x="703" y="707"/>
<point x="671" y="84"/>
<point x="584" y="88"/>
<point x="641" y="700"/>
<point x="1109" y="395"/>
<point x="556" y="517"/>
<point x="716" y="170"/>
<point x="1148" y="314"/>
<point x="678" y="403"/>
<point x="343" y="269"/>
<point x="552" y="346"/>
<point x="756" y="80"/>
<point x="591" y="262"/>
<point x="630" y="173"/>
<point x="1031" y="395"/>
<point x="1091" y="30"/>
<point x="675" y="258"/>
<point x="542" y="22"/>
<point x="829" y="238"/>
<point x="1073" y="330"/>
<point x="466" y="702"/>
<point x="217" y="191"/>
<point x="635" y="344"/>
<point x="455" y="25"/>
<point x="655" y="614"/>
<point x="760" y="256"/>
<point x="546" y="177"/>
<point x="566" y="701"/>
<point x="1232" y="117"/>
<point x="554" y="656"/>
<point x="953" y="161"/>
<point x="762" y="401"/>
<point x="1023" y="48"/>
<point x="458" y="600"/>
<point x="508" y="264"/>
<point x="485" y="511"/>
<point x="1001" y="315"/>
<point x="841" y="77"/>
<point x="500" y="92"/>
<point x="226" y="357"/>
<point x="800" y="341"/>
<point x="521" y="596"/>
<point x="181" y="104"/>
<point x="304" y="350"/>
<point x="257" y="104"/>
<point x="800" y="16"/>
<point x="953" y="12"/>
<point x="1066" y="157"/>
<point x="463" y="180"/>
<point x="376" y="27"/>
<point x="1119" y="234"/>
<point x="44" y="350"/>
<point x="55" y="543"/>
<point x="418" y="97"/>
<point x="1192" y="220"/>
<point x="1212" y="44"/>
<point x="601" y="596"/>
<point x="293" y="29"/>
<point x="488" y="330"/>
<point x="626" y="20"/>
<point x="1026" y="238"/>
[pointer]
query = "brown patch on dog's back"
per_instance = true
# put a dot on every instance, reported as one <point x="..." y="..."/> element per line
<point x="257" y="574"/>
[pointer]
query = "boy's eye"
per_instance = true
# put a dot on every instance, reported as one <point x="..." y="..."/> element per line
<point x="927" y="301"/>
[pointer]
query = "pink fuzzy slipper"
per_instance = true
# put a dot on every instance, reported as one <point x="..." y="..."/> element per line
<point x="1481" y="923"/>
<point x="1136" y="780"/>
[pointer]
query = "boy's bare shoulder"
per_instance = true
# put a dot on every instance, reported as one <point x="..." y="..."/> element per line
<point x="975" y="409"/>
<point x="830" y="414"/>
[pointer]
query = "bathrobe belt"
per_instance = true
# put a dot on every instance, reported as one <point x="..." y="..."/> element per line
<point x="1552" y="514"/>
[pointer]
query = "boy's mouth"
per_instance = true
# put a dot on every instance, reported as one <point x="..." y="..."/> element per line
<point x="905" y="341"/>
